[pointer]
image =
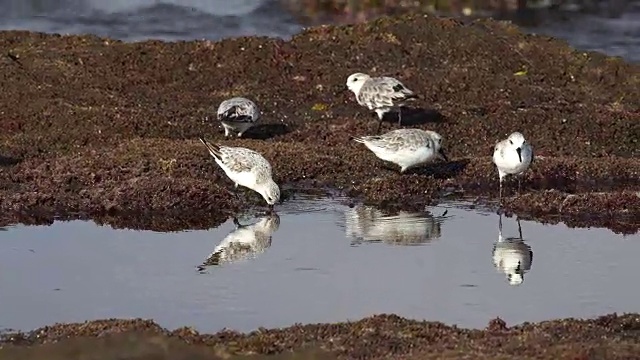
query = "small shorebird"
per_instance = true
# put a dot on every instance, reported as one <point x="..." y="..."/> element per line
<point x="247" y="168"/>
<point x="405" y="147"/>
<point x="380" y="94"/>
<point x="512" y="156"/>
<point x="238" y="114"/>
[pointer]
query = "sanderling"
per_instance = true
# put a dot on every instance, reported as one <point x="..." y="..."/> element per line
<point x="512" y="156"/>
<point x="381" y="94"/>
<point x="247" y="168"/>
<point x="244" y="242"/>
<point x="238" y="114"/>
<point x="512" y="256"/>
<point x="405" y="147"/>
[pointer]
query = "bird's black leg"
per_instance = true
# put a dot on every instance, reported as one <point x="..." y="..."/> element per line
<point x="400" y="116"/>
<point x="236" y="191"/>
<point x="519" y="185"/>
<point x="379" y="126"/>
<point x="519" y="227"/>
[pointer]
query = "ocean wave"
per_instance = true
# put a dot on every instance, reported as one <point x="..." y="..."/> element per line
<point x="27" y="8"/>
<point x="135" y="20"/>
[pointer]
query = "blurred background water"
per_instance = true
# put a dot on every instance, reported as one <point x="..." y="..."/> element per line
<point x="135" y="20"/>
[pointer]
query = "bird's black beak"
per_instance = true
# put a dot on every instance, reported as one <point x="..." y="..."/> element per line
<point x="270" y="209"/>
<point x="443" y="155"/>
<point x="519" y="151"/>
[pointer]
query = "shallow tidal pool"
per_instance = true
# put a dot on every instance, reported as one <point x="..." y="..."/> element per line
<point x="317" y="261"/>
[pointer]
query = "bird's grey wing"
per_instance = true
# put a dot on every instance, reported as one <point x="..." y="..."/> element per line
<point x="391" y="141"/>
<point x="238" y="159"/>
<point x="397" y="89"/>
<point x="238" y="110"/>
<point x="415" y="138"/>
<point x="375" y="94"/>
<point x="409" y="139"/>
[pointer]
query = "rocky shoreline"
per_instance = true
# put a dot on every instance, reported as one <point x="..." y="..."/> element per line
<point x="99" y="129"/>
<point x="377" y="337"/>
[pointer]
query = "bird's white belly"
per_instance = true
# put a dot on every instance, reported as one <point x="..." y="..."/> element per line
<point x="245" y="178"/>
<point x="407" y="157"/>
<point x="511" y="164"/>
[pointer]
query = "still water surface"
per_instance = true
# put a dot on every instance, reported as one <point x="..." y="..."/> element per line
<point x="318" y="262"/>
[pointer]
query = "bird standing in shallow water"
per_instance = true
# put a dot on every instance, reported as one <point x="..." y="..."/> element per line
<point x="512" y="156"/>
<point x="238" y="114"/>
<point x="381" y="94"/>
<point x="247" y="168"/>
<point x="405" y="147"/>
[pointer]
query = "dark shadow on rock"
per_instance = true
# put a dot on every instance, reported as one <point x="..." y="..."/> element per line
<point x="266" y="131"/>
<point x="441" y="170"/>
<point x="415" y="116"/>
<point x="8" y="161"/>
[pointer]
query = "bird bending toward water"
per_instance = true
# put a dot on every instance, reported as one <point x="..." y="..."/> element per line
<point x="380" y="94"/>
<point x="512" y="156"/>
<point x="238" y="114"/>
<point x="247" y="168"/>
<point x="405" y="147"/>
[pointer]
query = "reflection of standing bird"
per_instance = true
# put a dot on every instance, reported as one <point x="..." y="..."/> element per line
<point x="238" y="114"/>
<point x="368" y="224"/>
<point x="512" y="256"/>
<point x="245" y="241"/>
<point x="406" y="148"/>
<point x="380" y="94"/>
<point x="512" y="156"/>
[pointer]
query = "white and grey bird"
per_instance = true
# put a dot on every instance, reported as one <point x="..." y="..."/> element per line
<point x="369" y="224"/>
<point x="380" y="94"/>
<point x="244" y="242"/>
<point x="247" y="168"/>
<point x="405" y="147"/>
<point x="512" y="156"/>
<point x="512" y="256"/>
<point x="238" y="114"/>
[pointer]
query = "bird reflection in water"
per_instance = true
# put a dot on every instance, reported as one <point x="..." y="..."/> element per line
<point x="244" y="242"/>
<point x="512" y="256"/>
<point x="368" y="224"/>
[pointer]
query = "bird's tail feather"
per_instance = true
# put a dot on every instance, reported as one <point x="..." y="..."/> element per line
<point x="359" y="139"/>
